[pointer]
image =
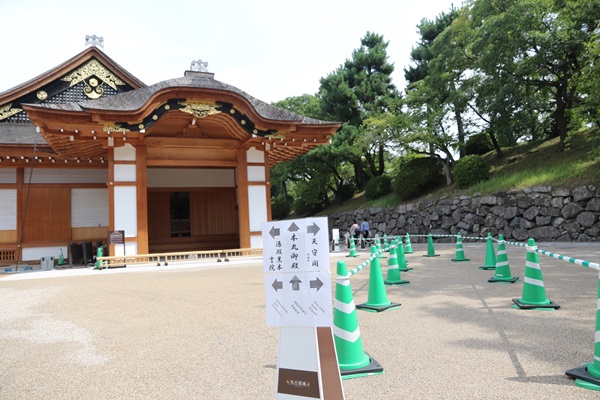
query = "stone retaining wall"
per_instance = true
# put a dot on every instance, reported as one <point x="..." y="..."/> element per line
<point x="543" y="213"/>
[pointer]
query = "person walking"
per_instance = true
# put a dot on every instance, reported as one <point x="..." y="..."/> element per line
<point x="365" y="229"/>
<point x="355" y="231"/>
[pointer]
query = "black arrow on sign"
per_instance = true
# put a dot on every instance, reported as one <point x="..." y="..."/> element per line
<point x="316" y="284"/>
<point x="274" y="232"/>
<point x="293" y="227"/>
<point x="314" y="228"/>
<point x="295" y="283"/>
<point x="277" y="284"/>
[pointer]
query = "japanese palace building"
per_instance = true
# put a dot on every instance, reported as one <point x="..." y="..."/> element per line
<point x="87" y="148"/>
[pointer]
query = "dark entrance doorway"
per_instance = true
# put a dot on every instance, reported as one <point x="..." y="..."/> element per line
<point x="179" y="204"/>
<point x="190" y="219"/>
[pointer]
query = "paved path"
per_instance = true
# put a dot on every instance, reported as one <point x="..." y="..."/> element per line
<point x="198" y="331"/>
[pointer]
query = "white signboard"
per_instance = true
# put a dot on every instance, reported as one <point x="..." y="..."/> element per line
<point x="297" y="272"/>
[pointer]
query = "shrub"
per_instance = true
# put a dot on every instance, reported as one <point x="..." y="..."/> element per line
<point x="280" y="208"/>
<point x="470" y="170"/>
<point x="345" y="192"/>
<point x="378" y="186"/>
<point x="415" y="174"/>
<point x="308" y="200"/>
<point x="478" y="144"/>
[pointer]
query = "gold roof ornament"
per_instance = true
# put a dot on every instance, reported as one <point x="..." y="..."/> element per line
<point x="276" y="135"/>
<point x="93" y="68"/>
<point x="198" y="108"/>
<point x="114" y="128"/>
<point x="6" y="111"/>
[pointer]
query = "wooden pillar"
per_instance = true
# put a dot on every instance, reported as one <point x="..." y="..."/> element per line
<point x="20" y="207"/>
<point x="242" y="192"/>
<point x="142" y="199"/>
<point x="111" y="195"/>
<point x="268" y="179"/>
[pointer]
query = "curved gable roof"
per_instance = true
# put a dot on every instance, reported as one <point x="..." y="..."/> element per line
<point x="135" y="100"/>
<point x="64" y="68"/>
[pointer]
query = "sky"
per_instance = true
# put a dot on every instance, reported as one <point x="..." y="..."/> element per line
<point x="270" y="49"/>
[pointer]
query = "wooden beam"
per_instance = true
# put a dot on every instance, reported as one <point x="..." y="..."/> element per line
<point x="243" y="202"/>
<point x="142" y="199"/>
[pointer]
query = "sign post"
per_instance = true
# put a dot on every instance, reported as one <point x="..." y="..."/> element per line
<point x="299" y="301"/>
<point x="117" y="237"/>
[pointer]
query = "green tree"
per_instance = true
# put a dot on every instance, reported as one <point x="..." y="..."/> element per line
<point x="361" y="88"/>
<point x="539" y="46"/>
<point x="433" y="96"/>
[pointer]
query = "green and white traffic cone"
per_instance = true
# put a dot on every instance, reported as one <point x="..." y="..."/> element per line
<point x="353" y="252"/>
<point x="490" y="254"/>
<point x="386" y="245"/>
<point x="502" y="274"/>
<point x="352" y="359"/>
<point x="393" y="274"/>
<point x="430" y="249"/>
<point x="402" y="264"/>
<point x="588" y="375"/>
<point x="379" y="248"/>
<point x="460" y="252"/>
<point x="378" y="300"/>
<point x="408" y="248"/>
<point x="534" y="292"/>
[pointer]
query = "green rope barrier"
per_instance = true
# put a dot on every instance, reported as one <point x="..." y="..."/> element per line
<point x="571" y="260"/>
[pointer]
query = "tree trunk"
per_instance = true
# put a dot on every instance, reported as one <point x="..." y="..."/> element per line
<point x="492" y="136"/>
<point x="447" y="171"/>
<point x="560" y="118"/>
<point x="461" y="132"/>
<point x="360" y="179"/>
<point x="371" y="163"/>
<point x="381" y="161"/>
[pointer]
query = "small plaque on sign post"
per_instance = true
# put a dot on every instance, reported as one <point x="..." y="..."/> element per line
<point x="116" y="237"/>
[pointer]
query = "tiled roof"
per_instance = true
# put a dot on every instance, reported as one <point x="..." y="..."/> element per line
<point x="135" y="99"/>
<point x="20" y="134"/>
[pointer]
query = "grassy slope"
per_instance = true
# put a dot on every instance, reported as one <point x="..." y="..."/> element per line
<point x="525" y="165"/>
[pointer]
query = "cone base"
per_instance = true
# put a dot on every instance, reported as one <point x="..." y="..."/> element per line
<point x="404" y="270"/>
<point x="488" y="267"/>
<point x="400" y="282"/>
<point x="431" y="255"/>
<point x="408" y="251"/>
<point x="511" y="279"/>
<point x="583" y="378"/>
<point x="374" y="368"/>
<point x="375" y="308"/>
<point x="460" y="259"/>
<point x="525" y="306"/>
<point x="352" y="255"/>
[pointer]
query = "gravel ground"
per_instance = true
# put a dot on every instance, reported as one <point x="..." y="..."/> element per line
<point x="198" y="331"/>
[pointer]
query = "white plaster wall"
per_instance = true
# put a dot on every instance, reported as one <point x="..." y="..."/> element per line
<point x="255" y="156"/>
<point x="257" y="202"/>
<point x="8" y="209"/>
<point x="256" y="173"/>
<point x="89" y="207"/>
<point x="130" y="249"/>
<point x="125" y="173"/>
<point x="126" y="210"/>
<point x="46" y="175"/>
<point x="188" y="177"/>
<point x="124" y="153"/>
<point x="36" y="253"/>
<point x="8" y="175"/>
<point x="256" y="242"/>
